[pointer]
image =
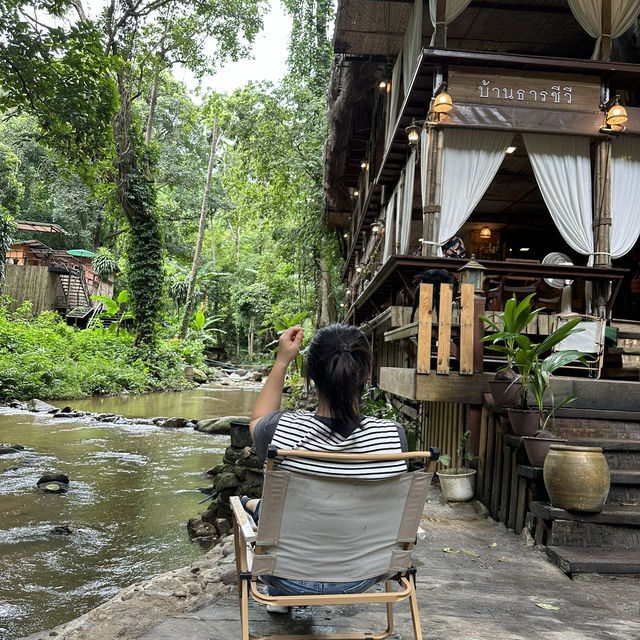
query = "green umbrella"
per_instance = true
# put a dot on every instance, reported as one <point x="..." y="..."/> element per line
<point x="81" y="253"/>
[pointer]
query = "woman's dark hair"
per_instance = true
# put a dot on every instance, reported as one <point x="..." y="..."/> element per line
<point x="339" y="363"/>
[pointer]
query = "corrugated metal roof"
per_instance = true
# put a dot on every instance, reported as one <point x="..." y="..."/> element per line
<point x="45" y="227"/>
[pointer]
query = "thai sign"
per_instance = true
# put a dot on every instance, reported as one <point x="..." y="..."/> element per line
<point x="527" y="89"/>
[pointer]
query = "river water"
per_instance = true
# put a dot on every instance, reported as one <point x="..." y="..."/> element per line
<point x="132" y="489"/>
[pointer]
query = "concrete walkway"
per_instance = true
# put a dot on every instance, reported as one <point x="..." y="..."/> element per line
<point x="486" y="587"/>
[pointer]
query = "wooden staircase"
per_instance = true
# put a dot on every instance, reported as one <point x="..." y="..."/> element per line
<point x="72" y="290"/>
<point x="605" y="542"/>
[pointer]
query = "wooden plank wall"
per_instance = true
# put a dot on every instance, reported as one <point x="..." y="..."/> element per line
<point x="31" y="282"/>
<point x="443" y="424"/>
<point x="505" y="483"/>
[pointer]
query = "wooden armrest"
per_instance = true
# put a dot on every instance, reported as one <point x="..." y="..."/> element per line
<point x="245" y="523"/>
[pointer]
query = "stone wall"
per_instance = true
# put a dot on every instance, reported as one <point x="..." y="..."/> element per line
<point x="239" y="474"/>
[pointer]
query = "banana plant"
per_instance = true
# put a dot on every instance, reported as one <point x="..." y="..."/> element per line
<point x="115" y="308"/>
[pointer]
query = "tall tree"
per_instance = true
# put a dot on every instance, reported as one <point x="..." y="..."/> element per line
<point x="188" y="307"/>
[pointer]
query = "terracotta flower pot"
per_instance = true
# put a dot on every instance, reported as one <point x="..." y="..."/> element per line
<point x="505" y="393"/>
<point x="524" y="422"/>
<point x="576" y="478"/>
<point x="538" y="448"/>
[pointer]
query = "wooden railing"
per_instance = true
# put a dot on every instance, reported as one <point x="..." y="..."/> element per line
<point x="449" y="332"/>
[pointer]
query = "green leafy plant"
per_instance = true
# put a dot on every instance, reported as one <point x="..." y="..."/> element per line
<point x="116" y="308"/>
<point x="534" y="362"/>
<point x="104" y="264"/>
<point x="464" y="454"/>
<point x="281" y="322"/>
<point x="514" y="319"/>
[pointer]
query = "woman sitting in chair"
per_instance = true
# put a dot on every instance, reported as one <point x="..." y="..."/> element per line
<point x="339" y="363"/>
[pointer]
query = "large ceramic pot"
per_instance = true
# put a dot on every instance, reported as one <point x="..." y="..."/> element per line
<point x="505" y="393"/>
<point x="458" y="485"/>
<point x="524" y="422"/>
<point x="537" y="448"/>
<point x="576" y="478"/>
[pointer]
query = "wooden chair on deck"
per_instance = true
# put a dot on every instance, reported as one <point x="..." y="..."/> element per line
<point x="328" y="529"/>
<point x="590" y="341"/>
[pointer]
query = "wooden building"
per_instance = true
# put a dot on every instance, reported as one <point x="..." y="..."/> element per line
<point x="52" y="279"/>
<point x="499" y="123"/>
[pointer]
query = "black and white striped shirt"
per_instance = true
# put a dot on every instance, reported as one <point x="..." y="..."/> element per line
<point x="308" y="432"/>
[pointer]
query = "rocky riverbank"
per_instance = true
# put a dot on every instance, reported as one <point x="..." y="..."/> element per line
<point x="147" y="603"/>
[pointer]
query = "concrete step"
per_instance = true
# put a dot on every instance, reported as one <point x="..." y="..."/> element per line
<point x="605" y="561"/>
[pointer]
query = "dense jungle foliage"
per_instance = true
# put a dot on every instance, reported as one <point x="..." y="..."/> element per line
<point x="100" y="138"/>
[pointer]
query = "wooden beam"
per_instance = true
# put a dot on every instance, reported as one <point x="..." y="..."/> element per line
<point x="400" y="382"/>
<point x="466" y="329"/>
<point x="452" y="388"/>
<point x="425" y="319"/>
<point x="444" y="328"/>
<point x="440" y="35"/>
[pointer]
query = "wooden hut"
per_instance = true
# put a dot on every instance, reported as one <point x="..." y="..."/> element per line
<point x="497" y="123"/>
<point x="52" y="279"/>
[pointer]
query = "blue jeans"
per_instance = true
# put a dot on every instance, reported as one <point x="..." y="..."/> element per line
<point x="285" y="587"/>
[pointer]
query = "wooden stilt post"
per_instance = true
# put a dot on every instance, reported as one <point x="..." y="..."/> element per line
<point x="440" y="35"/>
<point x="602" y="224"/>
<point x="605" y="41"/>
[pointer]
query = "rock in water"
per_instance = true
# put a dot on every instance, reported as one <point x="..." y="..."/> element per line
<point x="40" y="406"/>
<point x="199" y="376"/>
<point x="63" y="530"/>
<point x="5" y="450"/>
<point x="174" y="423"/>
<point x="220" y="425"/>
<point x="52" y="476"/>
<point x="199" y="529"/>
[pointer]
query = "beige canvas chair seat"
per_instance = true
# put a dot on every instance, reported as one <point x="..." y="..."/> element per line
<point x="328" y="529"/>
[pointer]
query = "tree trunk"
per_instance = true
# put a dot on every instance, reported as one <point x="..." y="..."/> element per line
<point x="153" y="100"/>
<point x="136" y="196"/>
<point x="327" y="312"/>
<point x="213" y="245"/>
<point x="188" y="307"/>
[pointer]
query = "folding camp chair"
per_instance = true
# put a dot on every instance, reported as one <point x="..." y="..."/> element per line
<point x="328" y="529"/>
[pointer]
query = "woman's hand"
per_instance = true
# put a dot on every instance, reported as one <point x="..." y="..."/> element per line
<point x="289" y="345"/>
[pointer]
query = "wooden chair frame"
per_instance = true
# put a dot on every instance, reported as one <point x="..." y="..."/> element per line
<point x="245" y="534"/>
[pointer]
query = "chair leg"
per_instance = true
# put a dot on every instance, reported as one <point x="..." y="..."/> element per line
<point x="243" y="591"/>
<point x="387" y="585"/>
<point x="415" y="616"/>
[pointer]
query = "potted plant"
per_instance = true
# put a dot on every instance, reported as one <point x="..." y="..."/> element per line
<point x="506" y="388"/>
<point x="459" y="483"/>
<point x="535" y="363"/>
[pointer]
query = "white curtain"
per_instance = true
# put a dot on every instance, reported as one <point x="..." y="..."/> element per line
<point x="562" y="167"/>
<point x="389" y="228"/>
<point x="392" y="113"/>
<point x="424" y="146"/>
<point x="399" y="193"/>
<point x="412" y="45"/>
<point x="453" y="10"/>
<point x="589" y="14"/>
<point x="407" y="204"/>
<point x="470" y="160"/>
<point x="625" y="195"/>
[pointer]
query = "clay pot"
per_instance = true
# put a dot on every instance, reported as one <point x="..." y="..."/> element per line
<point x="538" y="448"/>
<point x="524" y="422"/>
<point x="505" y="393"/>
<point x="576" y="478"/>
<point x="458" y="485"/>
